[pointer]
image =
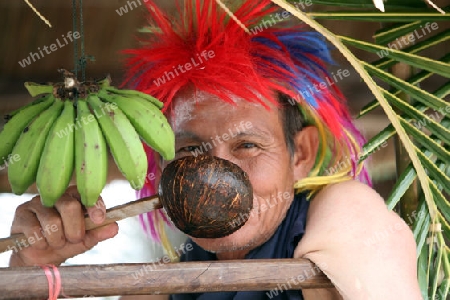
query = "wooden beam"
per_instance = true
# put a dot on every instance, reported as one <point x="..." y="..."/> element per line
<point x="171" y="278"/>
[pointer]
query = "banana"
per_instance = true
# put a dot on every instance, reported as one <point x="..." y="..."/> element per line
<point x="14" y="127"/>
<point x="91" y="156"/>
<point x="135" y="94"/>
<point x="122" y="139"/>
<point x="149" y="122"/>
<point x="34" y="102"/>
<point x="57" y="161"/>
<point x="105" y="82"/>
<point x="29" y="147"/>
<point x="38" y="89"/>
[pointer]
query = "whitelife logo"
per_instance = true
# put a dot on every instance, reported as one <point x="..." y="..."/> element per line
<point x="402" y="42"/>
<point x="131" y="5"/>
<point x="49" y="49"/>
<point x="195" y="62"/>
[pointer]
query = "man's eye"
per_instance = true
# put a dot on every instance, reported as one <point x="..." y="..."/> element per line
<point x="247" y="145"/>
<point x="188" y="149"/>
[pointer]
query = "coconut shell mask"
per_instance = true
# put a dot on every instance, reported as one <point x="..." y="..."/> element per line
<point x="205" y="195"/>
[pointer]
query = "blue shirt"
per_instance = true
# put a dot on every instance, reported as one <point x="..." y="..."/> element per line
<point x="281" y="245"/>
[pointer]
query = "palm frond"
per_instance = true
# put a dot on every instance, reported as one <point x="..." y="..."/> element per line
<point x="390" y="5"/>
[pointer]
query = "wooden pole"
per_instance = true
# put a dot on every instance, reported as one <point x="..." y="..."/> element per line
<point x="159" y="278"/>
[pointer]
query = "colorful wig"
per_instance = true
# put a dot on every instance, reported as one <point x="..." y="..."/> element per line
<point x="256" y="65"/>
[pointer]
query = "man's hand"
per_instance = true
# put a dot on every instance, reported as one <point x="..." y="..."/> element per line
<point x="56" y="234"/>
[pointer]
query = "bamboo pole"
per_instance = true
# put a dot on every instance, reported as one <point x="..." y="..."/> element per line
<point x="171" y="278"/>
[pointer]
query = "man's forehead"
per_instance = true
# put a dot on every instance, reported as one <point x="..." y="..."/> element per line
<point x="189" y="105"/>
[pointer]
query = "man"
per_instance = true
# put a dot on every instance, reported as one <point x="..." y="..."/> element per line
<point x="214" y="77"/>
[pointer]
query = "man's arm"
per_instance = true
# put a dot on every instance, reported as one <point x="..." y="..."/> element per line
<point x="367" y="251"/>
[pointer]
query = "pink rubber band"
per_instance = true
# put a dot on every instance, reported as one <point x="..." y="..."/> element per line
<point x="58" y="285"/>
<point x="54" y="281"/>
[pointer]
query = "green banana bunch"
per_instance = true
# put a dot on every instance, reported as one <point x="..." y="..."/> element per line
<point x="57" y="160"/>
<point x="29" y="147"/>
<point x="71" y="128"/>
<point x="148" y="120"/>
<point x="91" y="156"/>
<point x="122" y="139"/>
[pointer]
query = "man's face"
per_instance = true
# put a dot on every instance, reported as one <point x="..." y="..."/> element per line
<point x="250" y="136"/>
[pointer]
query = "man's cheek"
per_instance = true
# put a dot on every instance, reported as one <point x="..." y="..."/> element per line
<point x="263" y="207"/>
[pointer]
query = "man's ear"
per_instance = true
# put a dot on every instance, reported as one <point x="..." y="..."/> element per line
<point x="306" y="147"/>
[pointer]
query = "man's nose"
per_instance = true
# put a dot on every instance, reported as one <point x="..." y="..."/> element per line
<point x="224" y="153"/>
<point x="220" y="151"/>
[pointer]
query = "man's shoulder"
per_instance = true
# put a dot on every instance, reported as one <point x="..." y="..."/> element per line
<point x="365" y="249"/>
<point x="348" y="211"/>
<point x="346" y="199"/>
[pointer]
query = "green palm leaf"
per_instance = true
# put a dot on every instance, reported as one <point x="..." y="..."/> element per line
<point x="403" y="183"/>
<point x="415" y="79"/>
<point x="422" y="271"/>
<point x="427" y="15"/>
<point x="426" y="138"/>
<point x="421" y="226"/>
<point x="387" y="62"/>
<point x="389" y="34"/>
<point x="424" y="63"/>
<point x="395" y="4"/>
<point x="444" y="288"/>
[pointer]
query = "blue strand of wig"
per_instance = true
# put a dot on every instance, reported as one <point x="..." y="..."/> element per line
<point x="301" y="47"/>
